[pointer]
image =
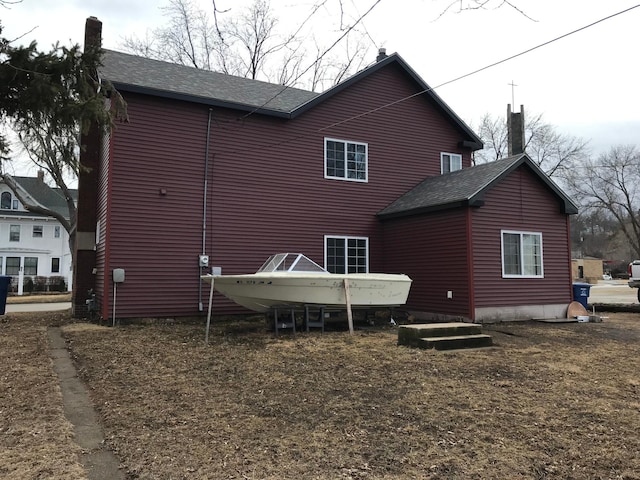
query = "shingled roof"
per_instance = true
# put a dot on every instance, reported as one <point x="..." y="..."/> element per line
<point x="131" y="73"/>
<point x="46" y="196"/>
<point x="467" y="188"/>
<point x="144" y="75"/>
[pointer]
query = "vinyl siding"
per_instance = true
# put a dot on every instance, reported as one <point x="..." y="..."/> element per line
<point x="266" y="187"/>
<point x="433" y="250"/>
<point x="522" y="203"/>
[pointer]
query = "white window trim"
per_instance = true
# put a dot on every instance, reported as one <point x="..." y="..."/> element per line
<point x="19" y="233"/>
<point x="521" y="233"/>
<point x="366" y="163"/>
<point x="451" y="156"/>
<point x="346" y="237"/>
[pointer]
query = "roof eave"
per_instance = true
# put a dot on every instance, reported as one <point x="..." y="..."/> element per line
<point x="430" y="209"/>
<point x="211" y="102"/>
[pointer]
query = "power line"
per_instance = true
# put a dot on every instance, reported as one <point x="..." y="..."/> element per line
<point x="430" y="89"/>
<point x="481" y="69"/>
<point x="320" y="57"/>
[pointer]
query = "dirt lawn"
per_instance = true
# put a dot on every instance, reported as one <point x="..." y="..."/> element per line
<point x="549" y="401"/>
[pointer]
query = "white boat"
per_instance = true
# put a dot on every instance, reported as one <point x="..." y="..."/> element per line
<point x="293" y="280"/>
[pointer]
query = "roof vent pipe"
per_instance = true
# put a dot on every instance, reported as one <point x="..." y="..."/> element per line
<point x="382" y="53"/>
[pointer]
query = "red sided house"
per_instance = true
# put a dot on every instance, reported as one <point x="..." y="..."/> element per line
<point x="372" y="175"/>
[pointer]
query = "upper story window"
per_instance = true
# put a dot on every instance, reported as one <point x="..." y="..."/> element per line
<point x="37" y="231"/>
<point x="14" y="233"/>
<point x="345" y="160"/>
<point x="450" y="162"/>
<point x="521" y="254"/>
<point x="56" y="231"/>
<point x="346" y="254"/>
<point x="5" y="200"/>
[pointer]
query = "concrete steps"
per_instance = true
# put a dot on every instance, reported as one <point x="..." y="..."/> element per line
<point x="443" y="336"/>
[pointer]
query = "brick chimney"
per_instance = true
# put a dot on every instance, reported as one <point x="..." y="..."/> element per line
<point x="382" y="54"/>
<point x="515" y="130"/>
<point x="41" y="175"/>
<point x="84" y="275"/>
<point x="92" y="33"/>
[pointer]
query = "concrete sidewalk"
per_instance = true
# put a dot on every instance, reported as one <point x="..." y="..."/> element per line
<point x="99" y="462"/>
<point x="37" y="307"/>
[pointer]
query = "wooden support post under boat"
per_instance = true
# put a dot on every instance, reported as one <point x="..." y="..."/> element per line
<point x="347" y="297"/>
<point x="206" y="335"/>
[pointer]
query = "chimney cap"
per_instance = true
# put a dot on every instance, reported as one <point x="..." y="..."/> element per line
<point x="382" y="53"/>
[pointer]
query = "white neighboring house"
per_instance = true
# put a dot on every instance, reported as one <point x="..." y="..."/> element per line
<point x="34" y="249"/>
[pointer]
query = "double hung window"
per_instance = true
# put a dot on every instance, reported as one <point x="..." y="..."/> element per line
<point x="14" y="233"/>
<point x="521" y="254"/>
<point x="31" y="265"/>
<point x="345" y="160"/>
<point x="12" y="266"/>
<point x="450" y="162"/>
<point x="347" y="254"/>
<point x="37" y="231"/>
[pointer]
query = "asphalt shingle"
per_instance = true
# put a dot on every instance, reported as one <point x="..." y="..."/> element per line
<point x="164" y="78"/>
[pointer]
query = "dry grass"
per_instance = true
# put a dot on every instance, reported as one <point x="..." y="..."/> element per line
<point x="549" y="401"/>
<point x="39" y="298"/>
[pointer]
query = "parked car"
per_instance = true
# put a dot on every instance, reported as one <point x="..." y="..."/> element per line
<point x="606" y="276"/>
<point x="634" y="276"/>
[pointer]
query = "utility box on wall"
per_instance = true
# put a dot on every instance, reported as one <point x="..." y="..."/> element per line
<point x="118" y="275"/>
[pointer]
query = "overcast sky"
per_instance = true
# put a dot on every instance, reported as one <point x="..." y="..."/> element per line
<point x="586" y="84"/>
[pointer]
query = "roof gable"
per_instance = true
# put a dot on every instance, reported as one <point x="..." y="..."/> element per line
<point x="44" y="195"/>
<point x="467" y="188"/>
<point x="474" y="141"/>
<point x="154" y="77"/>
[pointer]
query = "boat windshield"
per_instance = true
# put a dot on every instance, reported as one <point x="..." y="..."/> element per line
<point x="290" y="262"/>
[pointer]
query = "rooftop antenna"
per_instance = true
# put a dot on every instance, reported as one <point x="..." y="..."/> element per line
<point x="513" y="93"/>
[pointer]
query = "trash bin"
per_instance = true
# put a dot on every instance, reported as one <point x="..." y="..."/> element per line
<point x="581" y="293"/>
<point x="4" y="289"/>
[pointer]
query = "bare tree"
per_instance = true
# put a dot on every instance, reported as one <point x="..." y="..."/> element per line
<point x="611" y="184"/>
<point x="190" y="37"/>
<point x="57" y="154"/>
<point x="252" y="44"/>
<point x="553" y="152"/>
<point x="458" y="6"/>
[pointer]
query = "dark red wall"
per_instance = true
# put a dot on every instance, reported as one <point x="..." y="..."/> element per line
<point x="266" y="187"/>
<point x="521" y="202"/>
<point x="433" y="250"/>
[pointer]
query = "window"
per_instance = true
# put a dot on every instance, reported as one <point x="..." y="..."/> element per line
<point x="521" y="254"/>
<point x="37" y="231"/>
<point x="345" y="160"/>
<point x="55" y="265"/>
<point x="56" y="231"/>
<point x="347" y="254"/>
<point x="15" y="204"/>
<point x="450" y="162"/>
<point x="5" y="200"/>
<point x="31" y="265"/>
<point x="12" y="266"/>
<point x="14" y="233"/>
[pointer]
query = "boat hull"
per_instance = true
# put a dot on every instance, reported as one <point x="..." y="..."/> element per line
<point x="263" y="291"/>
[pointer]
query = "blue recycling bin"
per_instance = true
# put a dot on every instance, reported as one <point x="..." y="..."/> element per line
<point x="4" y="289"/>
<point x="581" y="293"/>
